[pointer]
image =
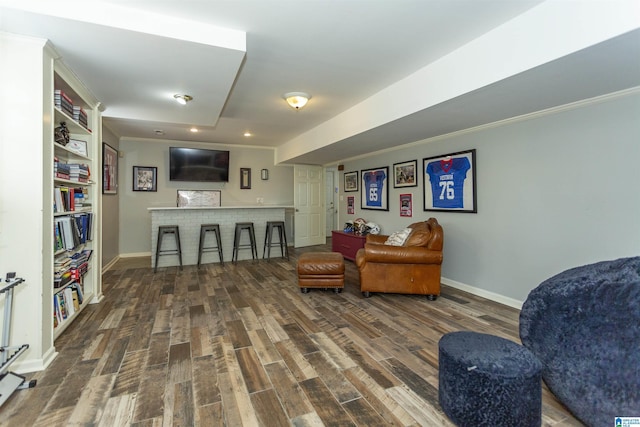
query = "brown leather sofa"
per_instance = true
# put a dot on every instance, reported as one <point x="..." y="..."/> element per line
<point x="413" y="268"/>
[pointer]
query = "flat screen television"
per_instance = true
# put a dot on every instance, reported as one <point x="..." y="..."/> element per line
<point x="198" y="165"/>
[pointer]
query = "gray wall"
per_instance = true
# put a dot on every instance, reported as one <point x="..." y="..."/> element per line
<point x="135" y="219"/>
<point x="110" y="212"/>
<point x="554" y="191"/>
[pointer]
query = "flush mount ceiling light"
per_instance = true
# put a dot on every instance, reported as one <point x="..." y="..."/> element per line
<point x="183" y="99"/>
<point x="297" y="100"/>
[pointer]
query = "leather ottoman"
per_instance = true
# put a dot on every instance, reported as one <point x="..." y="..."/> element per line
<point x="321" y="270"/>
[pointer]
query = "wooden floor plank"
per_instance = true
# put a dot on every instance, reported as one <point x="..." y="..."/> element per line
<point x="268" y="409"/>
<point x="205" y="380"/>
<point x="210" y="415"/>
<point x="363" y="414"/>
<point x="327" y="408"/>
<point x="93" y="398"/>
<point x="254" y="375"/>
<point x="118" y="411"/>
<point x="183" y="409"/>
<point x="238" y="334"/>
<point x="288" y="390"/>
<point x="128" y="377"/>
<point x="384" y="405"/>
<point x="150" y="402"/>
<point x="179" y="363"/>
<point x="332" y="377"/>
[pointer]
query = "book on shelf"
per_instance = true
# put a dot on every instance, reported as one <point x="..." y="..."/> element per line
<point x="57" y="313"/>
<point x="68" y="301"/>
<point x="61" y="306"/>
<point x="58" y="244"/>
<point x="76" y="302"/>
<point x="58" y="200"/>
<point x="79" y="291"/>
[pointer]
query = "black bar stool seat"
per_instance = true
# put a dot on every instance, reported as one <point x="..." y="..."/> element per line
<point x="268" y="244"/>
<point x="162" y="231"/>
<point x="204" y="229"/>
<point x="237" y="245"/>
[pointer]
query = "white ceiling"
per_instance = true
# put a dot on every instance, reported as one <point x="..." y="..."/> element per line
<point x="237" y="58"/>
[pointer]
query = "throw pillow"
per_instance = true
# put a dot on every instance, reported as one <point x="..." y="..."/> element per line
<point x="398" y="238"/>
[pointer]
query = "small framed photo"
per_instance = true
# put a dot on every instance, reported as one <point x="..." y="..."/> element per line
<point x="245" y="178"/>
<point x="351" y="201"/>
<point x="405" y="174"/>
<point x="375" y="189"/>
<point x="78" y="146"/>
<point x="450" y="182"/>
<point x="350" y="181"/>
<point x="145" y="178"/>
<point x="406" y="205"/>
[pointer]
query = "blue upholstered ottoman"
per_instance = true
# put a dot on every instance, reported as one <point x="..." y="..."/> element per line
<point x="485" y="380"/>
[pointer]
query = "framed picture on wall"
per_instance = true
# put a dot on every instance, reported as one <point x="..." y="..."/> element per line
<point x="350" y="181"/>
<point x="375" y="189"/>
<point x="450" y="182"/>
<point x="145" y="178"/>
<point x="351" y="205"/>
<point x="245" y="178"/>
<point x="109" y="169"/>
<point x="405" y="174"/>
<point x="406" y="205"/>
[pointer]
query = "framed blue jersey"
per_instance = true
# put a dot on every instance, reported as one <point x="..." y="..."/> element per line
<point x="450" y="182"/>
<point x="375" y="189"/>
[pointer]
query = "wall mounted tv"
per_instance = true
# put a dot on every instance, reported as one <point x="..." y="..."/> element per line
<point x="199" y="165"/>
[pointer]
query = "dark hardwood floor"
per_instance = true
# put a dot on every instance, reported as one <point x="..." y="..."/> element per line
<point x="239" y="345"/>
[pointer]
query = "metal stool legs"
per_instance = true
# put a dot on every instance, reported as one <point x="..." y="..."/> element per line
<point x="204" y="229"/>
<point x="240" y="226"/>
<point x="168" y="229"/>
<point x="284" y="247"/>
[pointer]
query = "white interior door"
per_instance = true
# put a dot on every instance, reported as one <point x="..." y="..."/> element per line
<point x="308" y="200"/>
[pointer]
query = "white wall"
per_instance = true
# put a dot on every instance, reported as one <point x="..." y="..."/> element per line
<point x="26" y="164"/>
<point x="135" y="219"/>
<point x="554" y="192"/>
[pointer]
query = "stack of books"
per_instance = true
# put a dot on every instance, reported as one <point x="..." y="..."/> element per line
<point x="63" y="102"/>
<point x="80" y="116"/>
<point x="61" y="272"/>
<point x="78" y="172"/>
<point x="81" y="198"/>
<point x="80" y="264"/>
<point x="61" y="169"/>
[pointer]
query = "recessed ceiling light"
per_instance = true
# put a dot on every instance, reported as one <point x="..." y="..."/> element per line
<point x="194" y="130"/>
<point x="183" y="99"/>
<point x="247" y="134"/>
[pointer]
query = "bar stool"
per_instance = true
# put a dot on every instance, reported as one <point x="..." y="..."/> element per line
<point x="168" y="229"/>
<point x="240" y="226"/>
<point x="268" y="244"/>
<point x="204" y="229"/>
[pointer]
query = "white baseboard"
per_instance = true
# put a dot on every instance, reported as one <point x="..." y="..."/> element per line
<point x="135" y="255"/>
<point x="110" y="264"/>
<point x="34" y="365"/>
<point x="483" y="293"/>
<point x="119" y="257"/>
